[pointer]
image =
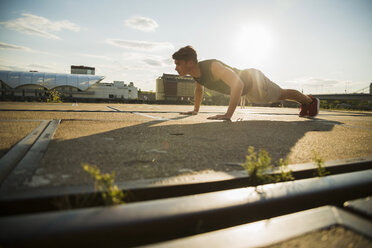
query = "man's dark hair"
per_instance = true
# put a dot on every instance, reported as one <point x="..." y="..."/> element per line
<point x="186" y="53"/>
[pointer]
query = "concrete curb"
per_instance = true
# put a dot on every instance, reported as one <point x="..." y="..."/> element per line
<point x="10" y="159"/>
<point x="30" y="162"/>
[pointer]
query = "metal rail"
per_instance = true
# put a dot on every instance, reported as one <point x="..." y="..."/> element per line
<point x="276" y="230"/>
<point x="159" y="220"/>
<point x="57" y="198"/>
<point x="38" y="200"/>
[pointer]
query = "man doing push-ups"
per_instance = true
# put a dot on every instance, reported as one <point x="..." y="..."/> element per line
<point x="249" y="83"/>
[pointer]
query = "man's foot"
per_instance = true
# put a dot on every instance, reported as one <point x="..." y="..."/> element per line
<point x="304" y="110"/>
<point x="314" y="107"/>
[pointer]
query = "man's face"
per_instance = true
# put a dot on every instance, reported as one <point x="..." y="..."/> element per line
<point x="182" y="67"/>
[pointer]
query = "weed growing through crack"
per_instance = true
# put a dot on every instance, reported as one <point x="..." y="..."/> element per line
<point x="259" y="168"/>
<point x="105" y="183"/>
<point x="322" y="172"/>
<point x="285" y="174"/>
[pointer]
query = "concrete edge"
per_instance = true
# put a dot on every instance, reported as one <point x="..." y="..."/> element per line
<point x="273" y="231"/>
<point x="17" y="152"/>
<point x="210" y="180"/>
<point x="30" y="162"/>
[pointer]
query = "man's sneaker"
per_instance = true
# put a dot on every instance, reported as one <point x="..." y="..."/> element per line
<point x="304" y="110"/>
<point x="314" y="106"/>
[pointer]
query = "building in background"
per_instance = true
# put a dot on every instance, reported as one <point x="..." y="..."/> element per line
<point x="36" y="85"/>
<point x="117" y="90"/>
<point x="80" y="69"/>
<point x="170" y="87"/>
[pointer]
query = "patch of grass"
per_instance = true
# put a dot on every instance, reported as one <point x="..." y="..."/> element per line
<point x="322" y="172"/>
<point x="258" y="165"/>
<point x="259" y="168"/>
<point x="285" y="174"/>
<point x="105" y="183"/>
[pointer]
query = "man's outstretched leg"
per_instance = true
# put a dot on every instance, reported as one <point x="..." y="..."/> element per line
<point x="309" y="104"/>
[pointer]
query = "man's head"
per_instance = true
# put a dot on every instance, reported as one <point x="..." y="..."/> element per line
<point x="185" y="59"/>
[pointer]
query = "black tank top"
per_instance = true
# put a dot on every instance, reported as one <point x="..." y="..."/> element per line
<point x="206" y="78"/>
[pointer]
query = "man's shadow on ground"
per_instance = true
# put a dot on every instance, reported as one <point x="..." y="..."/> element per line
<point x="158" y="149"/>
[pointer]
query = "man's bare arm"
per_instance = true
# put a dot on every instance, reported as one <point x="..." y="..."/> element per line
<point x="236" y="87"/>
<point x="198" y="97"/>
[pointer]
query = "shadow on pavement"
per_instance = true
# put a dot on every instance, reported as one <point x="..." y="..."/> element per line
<point x="164" y="149"/>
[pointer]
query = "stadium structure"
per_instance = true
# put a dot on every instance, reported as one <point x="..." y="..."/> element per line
<point x="36" y="85"/>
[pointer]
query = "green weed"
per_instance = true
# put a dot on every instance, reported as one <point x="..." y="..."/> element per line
<point x="285" y="174"/>
<point x="259" y="168"/>
<point x="105" y="183"/>
<point x="54" y="96"/>
<point x="322" y="172"/>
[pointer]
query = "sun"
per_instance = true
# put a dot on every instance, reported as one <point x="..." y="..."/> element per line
<point x="254" y="43"/>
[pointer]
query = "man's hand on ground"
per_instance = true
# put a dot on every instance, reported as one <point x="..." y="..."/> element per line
<point x="220" y="117"/>
<point x="189" y="113"/>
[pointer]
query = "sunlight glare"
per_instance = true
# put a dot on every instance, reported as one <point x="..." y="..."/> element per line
<point x="254" y="43"/>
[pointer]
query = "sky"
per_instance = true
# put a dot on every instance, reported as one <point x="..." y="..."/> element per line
<point x="315" y="46"/>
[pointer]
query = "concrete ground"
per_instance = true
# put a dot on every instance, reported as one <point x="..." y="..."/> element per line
<point x="139" y="141"/>
<point x="334" y="237"/>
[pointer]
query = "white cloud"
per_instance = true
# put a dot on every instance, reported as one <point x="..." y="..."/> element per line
<point x="168" y="61"/>
<point x="39" y="26"/>
<point x="7" y="46"/>
<point x="152" y="62"/>
<point x="156" y="61"/>
<point x="140" y="45"/>
<point x="38" y="66"/>
<point x="93" y="56"/>
<point x="17" y="65"/>
<point x="141" y="23"/>
<point x="316" y="85"/>
<point x="11" y="68"/>
<point x="319" y="82"/>
<point x="146" y="61"/>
